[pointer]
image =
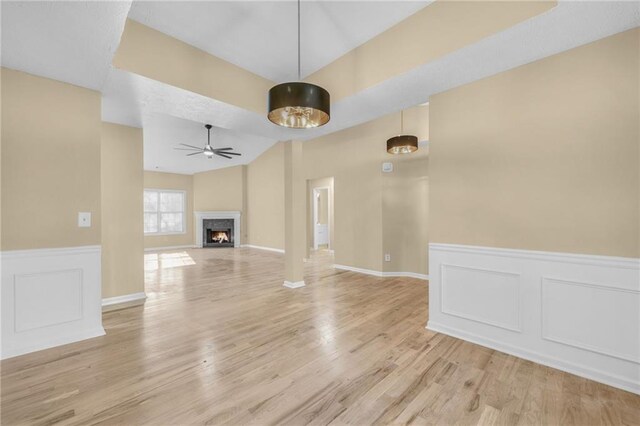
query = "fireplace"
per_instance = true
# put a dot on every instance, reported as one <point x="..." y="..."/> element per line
<point x="218" y="232"/>
<point x="217" y="228"/>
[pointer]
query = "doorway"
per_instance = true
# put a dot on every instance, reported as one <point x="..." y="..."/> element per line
<point x="320" y="216"/>
<point x="321" y="236"/>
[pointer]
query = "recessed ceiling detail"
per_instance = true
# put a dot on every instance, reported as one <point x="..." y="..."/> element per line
<point x="75" y="42"/>
<point x="258" y="35"/>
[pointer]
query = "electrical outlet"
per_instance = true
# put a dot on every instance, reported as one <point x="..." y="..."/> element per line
<point x="84" y="219"/>
<point x="387" y="257"/>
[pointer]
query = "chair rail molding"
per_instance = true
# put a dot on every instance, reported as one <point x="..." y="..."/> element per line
<point x="200" y="216"/>
<point x="578" y="313"/>
<point x="50" y="297"/>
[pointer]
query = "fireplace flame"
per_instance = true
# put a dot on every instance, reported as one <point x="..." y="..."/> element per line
<point x="220" y="237"/>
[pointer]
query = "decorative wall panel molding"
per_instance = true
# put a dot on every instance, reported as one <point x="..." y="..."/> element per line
<point x="577" y="313"/>
<point x="493" y="299"/>
<point x="50" y="297"/>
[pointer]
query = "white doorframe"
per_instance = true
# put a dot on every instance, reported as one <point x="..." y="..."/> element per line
<point x="316" y="193"/>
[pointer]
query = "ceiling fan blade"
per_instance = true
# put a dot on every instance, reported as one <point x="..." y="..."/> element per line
<point x="194" y="153"/>
<point x="228" y="153"/>
<point x="188" y="149"/>
<point x="222" y="155"/>
<point x="191" y="146"/>
<point x="222" y="149"/>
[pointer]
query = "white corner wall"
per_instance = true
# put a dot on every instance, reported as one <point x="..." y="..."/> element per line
<point x="49" y="297"/>
<point x="576" y="313"/>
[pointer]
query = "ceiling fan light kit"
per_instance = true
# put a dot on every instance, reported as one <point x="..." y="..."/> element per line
<point x="208" y="150"/>
<point x="299" y="105"/>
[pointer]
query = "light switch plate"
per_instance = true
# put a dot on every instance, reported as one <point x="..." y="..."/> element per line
<point x="84" y="219"/>
<point x="387" y="167"/>
<point x="387" y="257"/>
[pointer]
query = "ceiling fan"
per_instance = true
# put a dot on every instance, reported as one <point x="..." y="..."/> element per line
<point x="208" y="150"/>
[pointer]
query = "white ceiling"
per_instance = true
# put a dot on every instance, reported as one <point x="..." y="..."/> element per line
<point x="72" y="42"/>
<point x="163" y="133"/>
<point x="261" y="36"/>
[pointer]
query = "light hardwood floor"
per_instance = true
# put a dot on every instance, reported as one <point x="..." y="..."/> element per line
<point x="221" y="341"/>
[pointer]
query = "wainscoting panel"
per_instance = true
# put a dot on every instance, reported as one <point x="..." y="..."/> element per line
<point x="577" y="313"/>
<point x="50" y="297"/>
<point x="597" y="313"/>
<point x="493" y="298"/>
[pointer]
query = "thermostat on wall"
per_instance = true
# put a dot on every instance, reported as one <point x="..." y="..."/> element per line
<point x="387" y="167"/>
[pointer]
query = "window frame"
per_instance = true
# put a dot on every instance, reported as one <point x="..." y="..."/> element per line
<point x="158" y="212"/>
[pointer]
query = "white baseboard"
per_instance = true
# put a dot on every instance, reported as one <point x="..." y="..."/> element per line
<point x="577" y="313"/>
<point x="50" y="297"/>
<point x="296" y="284"/>
<point x="406" y="274"/>
<point x="586" y="372"/>
<point x="191" y="246"/>
<point x="276" y="250"/>
<point x="112" y="302"/>
<point x="380" y="273"/>
<point x="51" y="342"/>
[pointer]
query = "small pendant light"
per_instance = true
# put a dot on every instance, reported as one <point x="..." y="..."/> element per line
<point x="298" y="105"/>
<point x="402" y="144"/>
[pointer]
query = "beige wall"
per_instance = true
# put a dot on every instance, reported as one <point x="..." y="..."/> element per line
<point x="431" y="33"/>
<point x="405" y="212"/>
<point x="265" y="199"/>
<point x="221" y="189"/>
<point x="150" y="53"/>
<point x="354" y="158"/>
<point x="160" y="180"/>
<point x="50" y="162"/>
<point x="122" y="219"/>
<point x="542" y="157"/>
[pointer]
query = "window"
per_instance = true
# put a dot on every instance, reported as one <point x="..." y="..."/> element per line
<point x="164" y="211"/>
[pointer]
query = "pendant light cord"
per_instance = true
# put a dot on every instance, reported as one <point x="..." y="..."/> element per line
<point x="298" y="40"/>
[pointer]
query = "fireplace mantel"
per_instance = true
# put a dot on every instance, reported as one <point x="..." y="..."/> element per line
<point x="200" y="216"/>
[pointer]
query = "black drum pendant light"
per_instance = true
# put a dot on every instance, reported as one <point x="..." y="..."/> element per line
<point x="296" y="104"/>
<point x="402" y="144"/>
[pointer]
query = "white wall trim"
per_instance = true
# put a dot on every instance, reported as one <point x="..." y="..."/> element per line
<point x="51" y="342"/>
<point x="589" y="259"/>
<point x="276" y="250"/>
<point x="406" y="274"/>
<point x="125" y="298"/>
<point x="358" y="270"/>
<point x="200" y="216"/>
<point x="151" y="249"/>
<point x="57" y="251"/>
<point x="381" y="274"/>
<point x="296" y="284"/>
<point x="593" y="348"/>
<point x="575" y="312"/>
<point x="540" y="358"/>
<point x="517" y="326"/>
<point x="49" y="297"/>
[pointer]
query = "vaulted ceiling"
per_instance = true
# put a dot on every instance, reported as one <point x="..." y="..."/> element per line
<point x="261" y="36"/>
<point x="170" y="66"/>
